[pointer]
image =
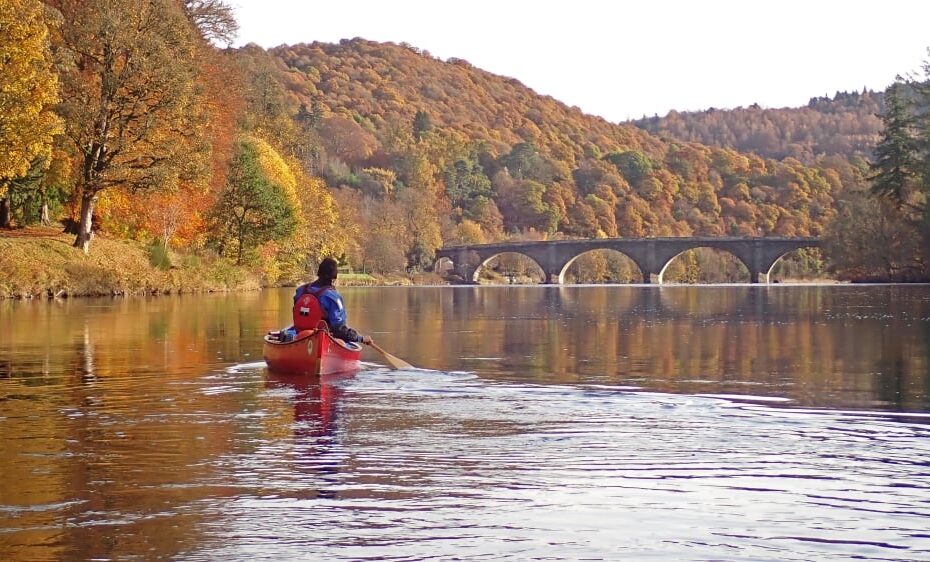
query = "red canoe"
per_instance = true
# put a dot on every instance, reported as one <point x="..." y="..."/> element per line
<point x="312" y="352"/>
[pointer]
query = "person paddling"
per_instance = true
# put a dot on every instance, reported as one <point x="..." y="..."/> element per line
<point x="319" y="301"/>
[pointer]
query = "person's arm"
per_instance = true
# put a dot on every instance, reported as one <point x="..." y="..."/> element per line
<point x="346" y="333"/>
<point x="336" y="315"/>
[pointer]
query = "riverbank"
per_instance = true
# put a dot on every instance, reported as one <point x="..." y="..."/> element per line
<point x="39" y="262"/>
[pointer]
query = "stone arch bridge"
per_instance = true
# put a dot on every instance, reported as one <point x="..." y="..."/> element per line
<point x="651" y="255"/>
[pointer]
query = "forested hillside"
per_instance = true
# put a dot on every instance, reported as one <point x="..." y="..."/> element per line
<point x="455" y="154"/>
<point x="376" y="153"/>
<point x="847" y="125"/>
<point x="877" y="142"/>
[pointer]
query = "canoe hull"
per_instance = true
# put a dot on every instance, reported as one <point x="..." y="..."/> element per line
<point x="312" y="353"/>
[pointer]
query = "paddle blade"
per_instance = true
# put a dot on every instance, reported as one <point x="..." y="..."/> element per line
<point x="395" y="362"/>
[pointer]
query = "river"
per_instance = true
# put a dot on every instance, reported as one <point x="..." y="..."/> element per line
<point x="542" y="423"/>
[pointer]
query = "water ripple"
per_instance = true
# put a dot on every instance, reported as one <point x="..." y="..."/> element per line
<point x="431" y="465"/>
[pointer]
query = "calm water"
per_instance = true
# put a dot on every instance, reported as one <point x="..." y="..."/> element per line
<point x="621" y="423"/>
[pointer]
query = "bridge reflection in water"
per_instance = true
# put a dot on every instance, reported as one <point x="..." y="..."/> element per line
<point x="651" y="255"/>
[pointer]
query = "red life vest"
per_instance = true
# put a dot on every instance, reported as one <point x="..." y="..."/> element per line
<point x="308" y="312"/>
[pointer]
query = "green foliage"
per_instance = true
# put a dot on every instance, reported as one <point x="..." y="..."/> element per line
<point x="421" y="124"/>
<point x="633" y="164"/>
<point x="523" y="205"/>
<point x="251" y="210"/>
<point x="158" y="255"/>
<point x="420" y="256"/>
<point x="881" y="232"/>
<point x="896" y="167"/>
<point x="466" y="182"/>
<point x="24" y="194"/>
<point x="521" y="159"/>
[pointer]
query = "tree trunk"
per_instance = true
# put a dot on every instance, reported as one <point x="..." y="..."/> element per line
<point x="241" y="240"/>
<point x="5" y="213"/>
<point x="43" y="216"/>
<point x="84" y="229"/>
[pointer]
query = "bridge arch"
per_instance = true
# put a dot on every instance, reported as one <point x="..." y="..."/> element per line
<point x="564" y="269"/>
<point x="780" y="261"/>
<point x="485" y="260"/>
<point x="443" y="264"/>
<point x="741" y="260"/>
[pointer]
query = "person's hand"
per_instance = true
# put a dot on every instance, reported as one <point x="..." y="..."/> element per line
<point x="366" y="340"/>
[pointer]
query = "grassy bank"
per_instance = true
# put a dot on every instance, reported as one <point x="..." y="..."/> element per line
<point x="40" y="262"/>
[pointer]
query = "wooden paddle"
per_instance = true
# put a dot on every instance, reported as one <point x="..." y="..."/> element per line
<point x="395" y="362"/>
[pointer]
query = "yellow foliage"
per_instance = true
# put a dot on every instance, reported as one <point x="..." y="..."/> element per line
<point x="28" y="87"/>
<point x="322" y="233"/>
<point x="468" y="232"/>
<point x="276" y="170"/>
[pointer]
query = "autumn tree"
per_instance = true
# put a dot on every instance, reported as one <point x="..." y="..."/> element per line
<point x="869" y="240"/>
<point x="215" y="19"/>
<point x="28" y="90"/>
<point x="129" y="100"/>
<point x="387" y="237"/>
<point x="252" y="209"/>
<point x="267" y="106"/>
<point x="468" y="232"/>
<point x="522" y="201"/>
<point x="347" y="140"/>
<point x="424" y="236"/>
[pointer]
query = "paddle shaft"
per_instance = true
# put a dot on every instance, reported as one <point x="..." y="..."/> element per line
<point x="395" y="362"/>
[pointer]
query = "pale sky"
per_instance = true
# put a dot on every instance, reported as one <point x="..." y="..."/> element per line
<point x="621" y="59"/>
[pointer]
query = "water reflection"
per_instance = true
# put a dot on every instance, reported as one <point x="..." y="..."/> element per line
<point x="862" y="347"/>
<point x="149" y="428"/>
<point x="820" y="346"/>
<point x="315" y="447"/>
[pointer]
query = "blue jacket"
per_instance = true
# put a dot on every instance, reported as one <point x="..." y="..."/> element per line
<point x="331" y="302"/>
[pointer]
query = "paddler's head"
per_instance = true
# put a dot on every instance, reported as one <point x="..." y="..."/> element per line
<point x="328" y="271"/>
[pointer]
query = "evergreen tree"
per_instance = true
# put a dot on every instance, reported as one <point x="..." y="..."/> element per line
<point x="465" y="181"/>
<point x="421" y="124"/>
<point x="896" y="166"/>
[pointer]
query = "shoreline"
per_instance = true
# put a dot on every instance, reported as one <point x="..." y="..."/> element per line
<point x="39" y="263"/>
